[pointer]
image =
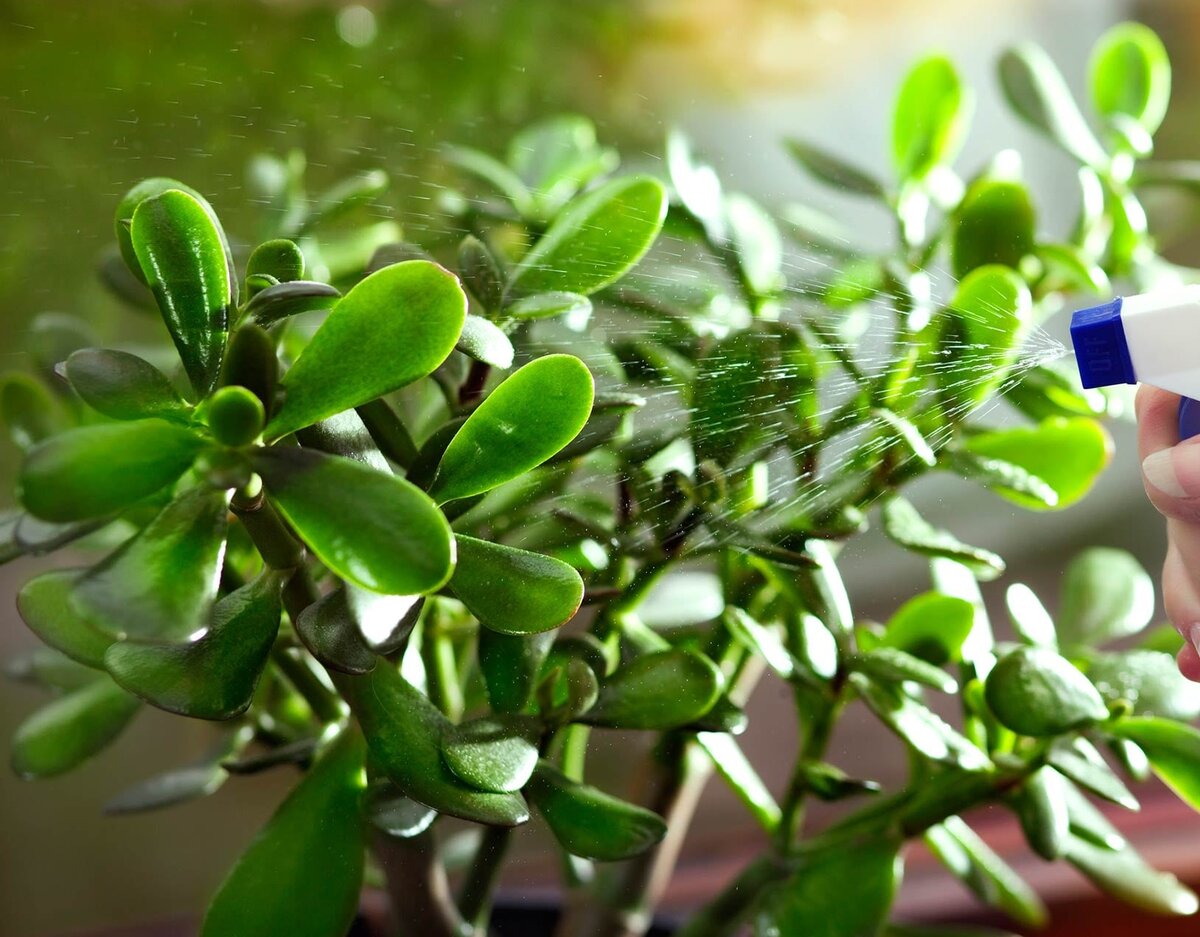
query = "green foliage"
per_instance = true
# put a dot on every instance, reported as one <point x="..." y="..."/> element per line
<point x="357" y="543"/>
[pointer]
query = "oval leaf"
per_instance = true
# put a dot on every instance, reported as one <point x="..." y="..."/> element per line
<point x="290" y="299"/>
<point x="302" y="874"/>
<point x="533" y="414"/>
<point x="589" y="823"/>
<point x="330" y="631"/>
<point x="930" y="117"/>
<point x="1034" y="691"/>
<point x="492" y="754"/>
<point x="514" y="591"/>
<point x="596" y="239"/>
<point x="214" y="676"/>
<point x="1106" y="594"/>
<point x="1148" y="681"/>
<point x="368" y="526"/>
<point x="932" y="626"/>
<point x="484" y="342"/>
<point x="122" y="386"/>
<point x="393" y="327"/>
<point x="45" y="605"/>
<point x="404" y="731"/>
<point x="96" y="470"/>
<point x="995" y="225"/>
<point x="1173" y="750"/>
<point x="510" y="664"/>
<point x="663" y="690"/>
<point x="1131" y="75"/>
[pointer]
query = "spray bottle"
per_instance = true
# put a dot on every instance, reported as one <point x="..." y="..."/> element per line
<point x="1150" y="338"/>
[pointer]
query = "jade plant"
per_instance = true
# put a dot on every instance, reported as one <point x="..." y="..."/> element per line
<point x="417" y="521"/>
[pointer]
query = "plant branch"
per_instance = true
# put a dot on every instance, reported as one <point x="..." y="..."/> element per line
<point x="475" y="896"/>
<point x="417" y="885"/>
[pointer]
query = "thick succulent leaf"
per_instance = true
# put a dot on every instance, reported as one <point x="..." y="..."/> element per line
<point x="662" y="690"/>
<point x="918" y="725"/>
<point x="546" y="305"/>
<point x="63" y="734"/>
<point x="536" y="411"/>
<point x="384" y="621"/>
<point x="1030" y="619"/>
<point x="841" y="891"/>
<point x="1106" y="594"/>
<point x="1173" y="750"/>
<point x="833" y="170"/>
<point x="50" y="669"/>
<point x="370" y="527"/>
<point x="393" y="327"/>
<point x="492" y="753"/>
<point x="1148" y="681"/>
<point x="404" y="731"/>
<point x="1131" y="75"/>
<point x="904" y="525"/>
<point x="596" y="239"/>
<point x="996" y="473"/>
<point x="95" y="470"/>
<point x="514" y="591"/>
<point x="396" y="815"/>
<point x="484" y="341"/>
<point x="733" y="765"/>
<point x="45" y="605"/>
<point x="932" y="626"/>
<point x="302" y="874"/>
<point x="762" y="640"/>
<point x="590" y="823"/>
<point x="832" y="784"/>
<point x="281" y="300"/>
<point x="162" y="582"/>
<point x="36" y="537"/>
<point x="480" y="273"/>
<point x="28" y="410"/>
<point x="730" y="404"/>
<point x="995" y="224"/>
<point x="1042" y="807"/>
<point x="1127" y="876"/>
<point x="1034" y="691"/>
<point x="756" y="244"/>
<point x="1086" y="767"/>
<point x="891" y="665"/>
<point x="122" y="386"/>
<point x="169" y="789"/>
<point x="929" y="119"/>
<point x="251" y="362"/>
<point x="972" y="861"/>
<point x="330" y="631"/>
<point x="278" y="258"/>
<point x="213" y="676"/>
<point x="1067" y="454"/>
<point x="181" y="251"/>
<point x="510" y="665"/>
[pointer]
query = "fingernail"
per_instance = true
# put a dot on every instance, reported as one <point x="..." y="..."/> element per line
<point x="1159" y="470"/>
<point x="1193" y="637"/>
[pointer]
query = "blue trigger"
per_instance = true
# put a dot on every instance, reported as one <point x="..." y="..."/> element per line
<point x="1189" y="418"/>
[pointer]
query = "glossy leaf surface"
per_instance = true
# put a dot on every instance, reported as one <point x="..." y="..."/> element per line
<point x="330" y="631"/>
<point x="491" y="753"/>
<point x="121" y="385"/>
<point x="904" y="525"/>
<point x="510" y="664"/>
<point x="1173" y="750"/>
<point x="663" y="690"/>
<point x="1034" y="691"/>
<point x="484" y="341"/>
<point x="1106" y="594"/>
<point x="932" y="626"/>
<point x="929" y="118"/>
<point x="1130" y="75"/>
<point x="46" y="605"/>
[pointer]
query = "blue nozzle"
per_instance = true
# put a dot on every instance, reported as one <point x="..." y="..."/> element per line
<point x="1100" y="347"/>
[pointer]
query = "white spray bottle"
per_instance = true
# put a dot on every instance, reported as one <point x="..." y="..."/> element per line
<point x="1151" y="338"/>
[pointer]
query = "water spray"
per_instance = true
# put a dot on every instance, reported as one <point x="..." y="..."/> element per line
<point x="1150" y="338"/>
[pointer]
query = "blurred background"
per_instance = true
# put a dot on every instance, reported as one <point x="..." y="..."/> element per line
<point x="95" y="96"/>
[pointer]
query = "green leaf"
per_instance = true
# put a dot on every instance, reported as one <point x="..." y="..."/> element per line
<point x="493" y="172"/>
<point x="213" y="676"/>
<point x="510" y="664"/>
<point x="1130" y="75"/>
<point x="480" y="273"/>
<point x="28" y="411"/>
<point x="996" y="473"/>
<point x="330" y="632"/>
<point x="68" y="731"/>
<point x="546" y="305"/>
<point x="1127" y="876"/>
<point x="161" y="583"/>
<point x="816" y="646"/>
<point x="485" y="342"/>
<point x="984" y="325"/>
<point x="370" y="527"/>
<point x="173" y="787"/>
<point x="756" y="244"/>
<point x="919" y="726"/>
<point x="589" y="823"/>
<point x="696" y="185"/>
<point x="932" y="627"/>
<point x="278" y="258"/>
<point x="393" y="327"/>
<point x="1041" y="805"/>
<point x="971" y="860"/>
<point x="396" y="815"/>
<point x="929" y="119"/>
<point x="729" y="408"/>
<point x="1173" y="750"/>
<point x="1086" y="767"/>
<point x="492" y="753"/>
<point x="235" y="416"/>
<point x="1030" y="619"/>
<point x="251" y="362"/>
<point x="1038" y="93"/>
<point x="1068" y="454"/>
<point x="839" y="891"/>
<point x="891" y="665"/>
<point x="1069" y="267"/>
<point x="45" y="605"/>
<point x="1149" y="681"/>
<point x="50" y="669"/>
<point x="280" y="300"/>
<point x="764" y="641"/>
<point x="858" y="281"/>
<point x="533" y="414"/>
<point x="558" y="155"/>
<point x="833" y="170"/>
<point x="1088" y="823"/>
<point x="731" y="763"/>
<point x="995" y="224"/>
<point x="347" y="194"/>
<point x="831" y="784"/>
<point x="1106" y="594"/>
<point x="904" y="525"/>
<point x="514" y="591"/>
<point x="122" y="386"/>
<point x="181" y="251"/>
<point x="1034" y="691"/>
<point x="681" y="598"/>
<point x="95" y="470"/>
<point x="302" y="874"/>
<point x="596" y="239"/>
<point x="662" y="690"/>
<point x="404" y="731"/>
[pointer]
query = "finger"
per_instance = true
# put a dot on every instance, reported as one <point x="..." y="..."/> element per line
<point x="1181" y="600"/>
<point x="1172" y="479"/>
<point x="1158" y="419"/>
<point x="1189" y="662"/>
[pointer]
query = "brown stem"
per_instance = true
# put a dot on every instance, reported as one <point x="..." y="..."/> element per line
<point x="472" y="387"/>
<point x="417" y="885"/>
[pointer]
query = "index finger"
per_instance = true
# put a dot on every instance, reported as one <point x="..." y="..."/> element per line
<point x="1158" y="419"/>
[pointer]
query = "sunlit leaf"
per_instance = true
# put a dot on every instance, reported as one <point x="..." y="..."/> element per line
<point x="663" y="690"/>
<point x="1149" y="681"/>
<point x="1034" y="691"/>
<point x="1131" y="75"/>
<point x="995" y="224"/>
<point x="1173" y="749"/>
<point x="903" y="524"/>
<point x="122" y="386"/>
<point x="1106" y="594"/>
<point x="929" y="119"/>
<point x="492" y="753"/>
<point x="932" y="627"/>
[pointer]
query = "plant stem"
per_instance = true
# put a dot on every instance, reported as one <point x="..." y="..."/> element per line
<point x="389" y="434"/>
<point x="417" y="886"/>
<point x="724" y="914"/>
<point x="816" y="739"/>
<point x="475" y="897"/>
